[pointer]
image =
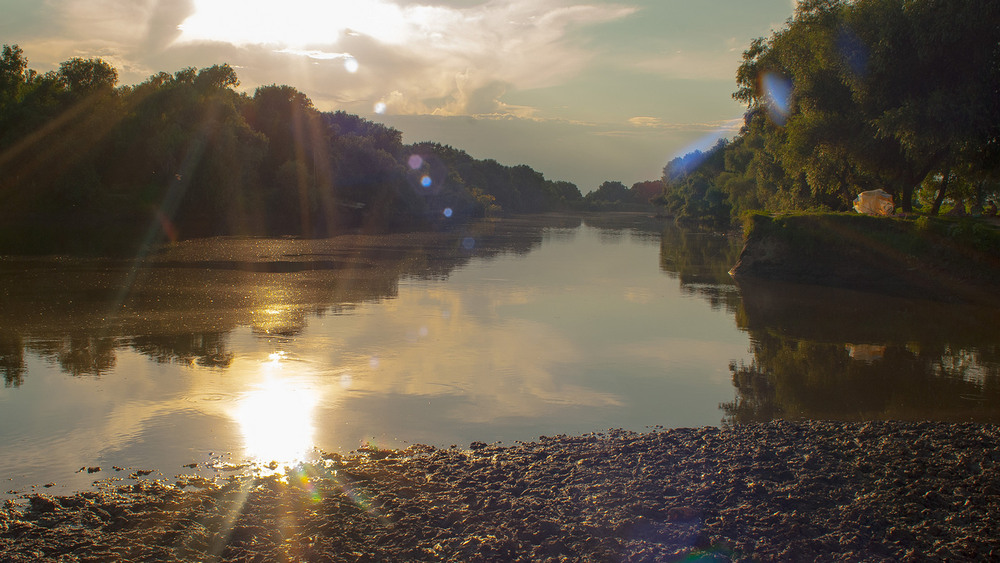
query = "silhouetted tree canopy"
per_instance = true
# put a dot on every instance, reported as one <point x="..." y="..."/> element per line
<point x="611" y="192"/>
<point x="89" y="166"/>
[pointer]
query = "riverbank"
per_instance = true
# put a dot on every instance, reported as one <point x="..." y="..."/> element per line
<point x="777" y="491"/>
<point x="942" y="259"/>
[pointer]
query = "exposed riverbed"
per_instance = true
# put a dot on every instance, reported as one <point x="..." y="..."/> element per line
<point x="816" y="491"/>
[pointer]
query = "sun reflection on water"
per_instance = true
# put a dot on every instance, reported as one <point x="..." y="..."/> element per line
<point x="277" y="415"/>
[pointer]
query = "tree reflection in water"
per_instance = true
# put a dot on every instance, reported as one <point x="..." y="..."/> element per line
<point x="12" y="359"/>
<point x="203" y="349"/>
<point x="817" y="352"/>
<point x="79" y="354"/>
<point x="822" y="353"/>
<point x="700" y="261"/>
<point x="182" y="303"/>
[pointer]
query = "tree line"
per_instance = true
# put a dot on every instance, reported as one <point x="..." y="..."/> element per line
<point x="856" y="95"/>
<point x="88" y="165"/>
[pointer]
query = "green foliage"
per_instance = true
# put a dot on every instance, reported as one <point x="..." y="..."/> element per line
<point x="692" y="191"/>
<point x="609" y="192"/>
<point x="452" y="175"/>
<point x="83" y="77"/>
<point x="86" y="166"/>
<point x="13" y="79"/>
<point x="855" y="95"/>
<point x="614" y="196"/>
<point x="925" y="248"/>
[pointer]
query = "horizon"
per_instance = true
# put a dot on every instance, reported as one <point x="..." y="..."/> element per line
<point x="584" y="92"/>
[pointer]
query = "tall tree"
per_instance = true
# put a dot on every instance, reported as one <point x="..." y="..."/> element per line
<point x="882" y="93"/>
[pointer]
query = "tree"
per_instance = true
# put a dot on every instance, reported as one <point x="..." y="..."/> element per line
<point x="643" y="192"/>
<point x="83" y="77"/>
<point x="566" y="193"/>
<point x="883" y="93"/>
<point x="87" y="166"/>
<point x="691" y="190"/>
<point x="13" y="76"/>
<point x="298" y="174"/>
<point x="609" y="192"/>
<point x="216" y="77"/>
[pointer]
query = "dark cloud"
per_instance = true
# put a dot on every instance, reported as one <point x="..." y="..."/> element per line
<point x="485" y="99"/>
<point x="164" y="18"/>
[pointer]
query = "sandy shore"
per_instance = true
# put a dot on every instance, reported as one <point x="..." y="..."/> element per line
<point x="777" y="491"/>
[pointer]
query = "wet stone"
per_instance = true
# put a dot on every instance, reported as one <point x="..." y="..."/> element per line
<point x="774" y="491"/>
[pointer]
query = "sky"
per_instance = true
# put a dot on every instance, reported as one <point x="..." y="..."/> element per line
<point x="582" y="91"/>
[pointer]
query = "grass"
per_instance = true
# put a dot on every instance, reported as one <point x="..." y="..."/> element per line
<point x="950" y="251"/>
<point x="910" y="234"/>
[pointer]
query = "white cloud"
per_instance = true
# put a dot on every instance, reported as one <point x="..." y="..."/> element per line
<point x="298" y="23"/>
<point x="421" y="59"/>
<point x="451" y="58"/>
<point x="646" y="122"/>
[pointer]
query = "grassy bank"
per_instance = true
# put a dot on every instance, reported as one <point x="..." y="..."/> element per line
<point x="939" y="258"/>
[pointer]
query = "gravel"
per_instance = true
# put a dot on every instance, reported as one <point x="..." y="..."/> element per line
<point x="817" y="491"/>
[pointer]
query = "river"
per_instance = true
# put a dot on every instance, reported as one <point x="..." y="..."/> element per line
<point x="214" y="353"/>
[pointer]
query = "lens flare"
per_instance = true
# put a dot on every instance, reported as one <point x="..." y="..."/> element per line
<point x="302" y="478"/>
<point x="380" y="108"/>
<point x="854" y="51"/>
<point x="415" y="161"/>
<point x="167" y="225"/>
<point x="447" y="212"/>
<point x="778" y="96"/>
<point x="426" y="181"/>
<point x="468" y="243"/>
<point x="351" y="64"/>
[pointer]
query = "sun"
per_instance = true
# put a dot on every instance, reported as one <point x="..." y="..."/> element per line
<point x="295" y="23"/>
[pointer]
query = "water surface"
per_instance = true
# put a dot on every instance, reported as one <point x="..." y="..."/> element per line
<point x="215" y="352"/>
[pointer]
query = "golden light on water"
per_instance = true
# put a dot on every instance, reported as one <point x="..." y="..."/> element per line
<point x="276" y="417"/>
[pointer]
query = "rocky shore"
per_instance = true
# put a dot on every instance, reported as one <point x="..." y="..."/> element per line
<point x="809" y="491"/>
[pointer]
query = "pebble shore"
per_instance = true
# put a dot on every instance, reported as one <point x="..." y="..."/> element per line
<point x="779" y="491"/>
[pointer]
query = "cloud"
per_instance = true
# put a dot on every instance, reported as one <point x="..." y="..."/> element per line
<point x="646" y="122"/>
<point x="163" y="20"/>
<point x="455" y="57"/>
<point x="125" y="33"/>
<point x="419" y="59"/>
<point x="316" y="54"/>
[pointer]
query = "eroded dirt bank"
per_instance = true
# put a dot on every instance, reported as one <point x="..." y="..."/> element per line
<point x="775" y="491"/>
